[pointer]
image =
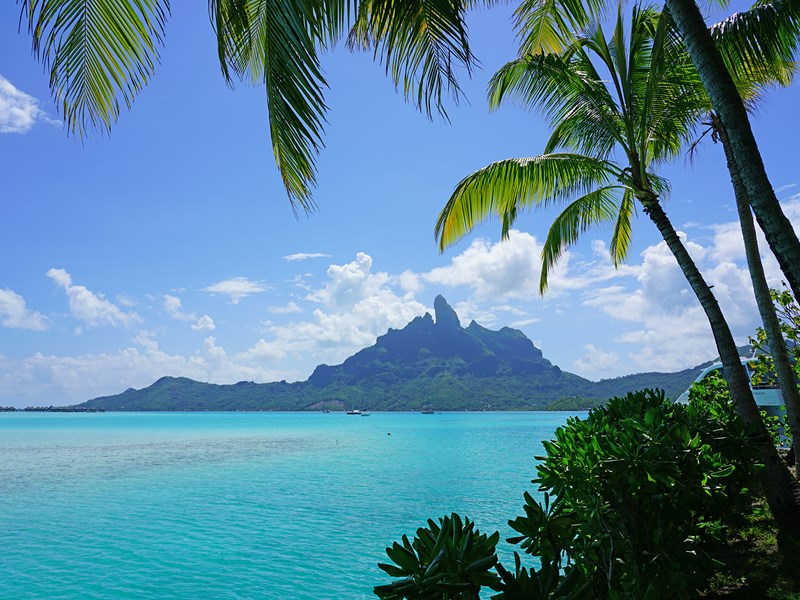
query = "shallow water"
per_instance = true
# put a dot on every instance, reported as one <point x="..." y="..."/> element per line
<point x="243" y="505"/>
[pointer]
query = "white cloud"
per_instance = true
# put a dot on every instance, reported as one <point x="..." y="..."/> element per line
<point x="93" y="308"/>
<point x="411" y="282"/>
<point x="264" y="350"/>
<point x="508" y="269"/>
<point x="174" y="308"/>
<point x="237" y="288"/>
<point x="304" y="256"/>
<point x="16" y="315"/>
<point x="597" y="362"/>
<point x="671" y="330"/>
<point x="288" y="309"/>
<point x="126" y="300"/>
<point x="38" y="379"/>
<point x="204" y="323"/>
<point x="19" y="112"/>
<point x="355" y="306"/>
<point x="525" y="322"/>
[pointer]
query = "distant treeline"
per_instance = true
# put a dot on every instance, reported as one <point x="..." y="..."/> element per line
<point x="59" y="409"/>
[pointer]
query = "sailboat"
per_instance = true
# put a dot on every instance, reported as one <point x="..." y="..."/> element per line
<point x="363" y="412"/>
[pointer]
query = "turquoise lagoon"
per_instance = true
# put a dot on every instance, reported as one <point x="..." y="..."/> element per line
<point x="243" y="505"/>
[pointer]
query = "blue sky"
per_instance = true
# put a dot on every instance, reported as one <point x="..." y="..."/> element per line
<point x="169" y="247"/>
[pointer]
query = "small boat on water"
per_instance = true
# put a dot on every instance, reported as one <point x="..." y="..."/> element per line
<point x="363" y="411"/>
<point x="427" y="411"/>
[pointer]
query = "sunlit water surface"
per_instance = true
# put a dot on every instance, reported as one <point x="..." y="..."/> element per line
<point x="243" y="505"/>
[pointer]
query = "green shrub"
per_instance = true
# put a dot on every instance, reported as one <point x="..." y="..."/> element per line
<point x="448" y="560"/>
<point x="632" y="496"/>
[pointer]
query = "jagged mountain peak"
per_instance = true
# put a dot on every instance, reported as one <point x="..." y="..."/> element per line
<point x="445" y="315"/>
<point x="425" y="347"/>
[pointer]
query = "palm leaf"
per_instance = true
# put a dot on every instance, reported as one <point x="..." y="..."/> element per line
<point x="275" y="43"/>
<point x="549" y="26"/>
<point x="569" y="92"/>
<point x="601" y="205"/>
<point x="422" y="44"/>
<point x="621" y="238"/>
<point x="504" y="188"/>
<point x="98" y="52"/>
<point x="759" y="45"/>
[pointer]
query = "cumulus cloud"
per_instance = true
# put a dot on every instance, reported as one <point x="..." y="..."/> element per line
<point x="126" y="300"/>
<point x="237" y="288"/>
<point x="597" y="362"/>
<point x="671" y="330"/>
<point x="354" y="306"/>
<point x="174" y="308"/>
<point x="93" y="308"/>
<point x="41" y="378"/>
<point x="15" y="314"/>
<point x="304" y="256"/>
<point x="204" y="323"/>
<point x="19" y="112"/>
<point x="508" y="269"/>
<point x="287" y="309"/>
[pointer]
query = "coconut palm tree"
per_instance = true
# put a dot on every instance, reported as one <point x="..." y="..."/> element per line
<point x="622" y="107"/>
<point x="787" y="379"/>
<point x="752" y="72"/>
<point x="548" y="24"/>
<point x="732" y="114"/>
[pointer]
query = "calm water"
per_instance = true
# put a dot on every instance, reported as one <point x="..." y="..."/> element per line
<point x="243" y="505"/>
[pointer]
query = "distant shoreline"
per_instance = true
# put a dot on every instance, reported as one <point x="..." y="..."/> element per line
<point x="69" y="409"/>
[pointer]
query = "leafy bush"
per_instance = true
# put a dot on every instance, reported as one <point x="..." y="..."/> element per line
<point x="789" y="315"/>
<point x="645" y="483"/>
<point x="448" y="560"/>
<point x="632" y="496"/>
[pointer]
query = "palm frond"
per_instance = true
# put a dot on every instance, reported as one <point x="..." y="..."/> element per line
<point x="422" y="43"/>
<point x="570" y="94"/>
<point x="504" y="188"/>
<point x="275" y="43"/>
<point x="98" y="52"/>
<point x="549" y="26"/>
<point x="601" y="205"/>
<point x="759" y="45"/>
<point x="621" y="238"/>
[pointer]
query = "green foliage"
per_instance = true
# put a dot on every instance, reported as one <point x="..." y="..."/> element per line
<point x="789" y="315"/>
<point x="573" y="403"/>
<point x="450" y="560"/>
<point x="632" y="498"/>
<point x="646" y="482"/>
<point x="764" y="366"/>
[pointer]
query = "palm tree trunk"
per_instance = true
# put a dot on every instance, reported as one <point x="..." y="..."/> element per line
<point x="728" y="104"/>
<point x="787" y="378"/>
<point x="780" y="487"/>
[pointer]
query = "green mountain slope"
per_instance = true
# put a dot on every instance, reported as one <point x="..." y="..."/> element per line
<point x="430" y="362"/>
